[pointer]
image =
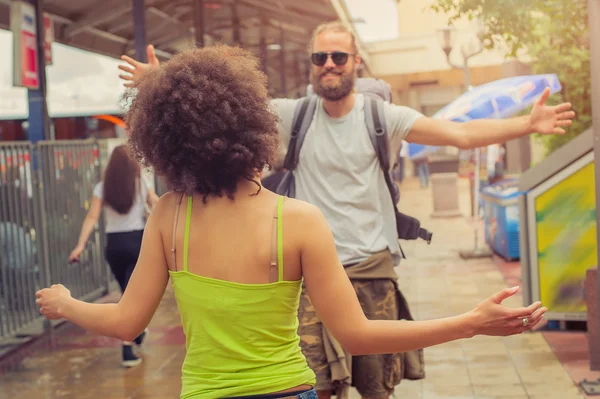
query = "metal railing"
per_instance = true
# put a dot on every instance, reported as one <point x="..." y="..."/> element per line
<point x="21" y="266"/>
<point x="45" y="193"/>
<point x="69" y="170"/>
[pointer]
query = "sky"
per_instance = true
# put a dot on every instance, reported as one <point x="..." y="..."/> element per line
<point x="380" y="16"/>
<point x="81" y="82"/>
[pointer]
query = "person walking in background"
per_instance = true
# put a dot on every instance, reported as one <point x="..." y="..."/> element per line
<point x="237" y="254"/>
<point x="401" y="161"/>
<point x="422" y="169"/>
<point x="495" y="163"/>
<point x="123" y="196"/>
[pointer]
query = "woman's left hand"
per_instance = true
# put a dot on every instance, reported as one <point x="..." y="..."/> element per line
<point x="51" y="301"/>
<point x="494" y="319"/>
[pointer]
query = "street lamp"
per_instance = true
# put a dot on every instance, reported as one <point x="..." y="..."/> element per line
<point x="447" y="39"/>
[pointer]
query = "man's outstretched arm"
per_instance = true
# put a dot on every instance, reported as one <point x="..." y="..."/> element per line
<point x="543" y="119"/>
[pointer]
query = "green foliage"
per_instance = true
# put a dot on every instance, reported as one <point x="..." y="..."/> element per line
<point x="554" y="33"/>
<point x="509" y="20"/>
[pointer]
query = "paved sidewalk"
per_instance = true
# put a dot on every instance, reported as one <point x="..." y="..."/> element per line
<point x="436" y="283"/>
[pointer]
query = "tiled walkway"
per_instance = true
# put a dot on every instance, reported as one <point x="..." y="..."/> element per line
<point x="436" y="283"/>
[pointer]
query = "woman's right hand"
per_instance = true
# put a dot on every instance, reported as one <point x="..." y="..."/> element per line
<point x="75" y="254"/>
<point x="492" y="318"/>
<point x="135" y="68"/>
<point x="51" y="301"/>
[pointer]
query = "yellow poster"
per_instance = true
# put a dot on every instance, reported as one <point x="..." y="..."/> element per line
<point x="566" y="240"/>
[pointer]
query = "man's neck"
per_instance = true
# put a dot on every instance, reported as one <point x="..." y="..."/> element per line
<point x="340" y="108"/>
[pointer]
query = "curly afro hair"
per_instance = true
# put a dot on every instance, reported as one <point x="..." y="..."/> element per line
<point x="203" y="121"/>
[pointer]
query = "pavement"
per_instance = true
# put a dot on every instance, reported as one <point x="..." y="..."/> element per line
<point x="436" y="283"/>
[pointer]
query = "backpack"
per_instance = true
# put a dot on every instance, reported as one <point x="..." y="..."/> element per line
<point x="375" y="92"/>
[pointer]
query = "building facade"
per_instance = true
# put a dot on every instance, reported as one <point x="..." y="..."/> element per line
<point x="417" y="69"/>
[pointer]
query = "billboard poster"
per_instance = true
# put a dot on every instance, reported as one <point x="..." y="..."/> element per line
<point x="566" y="241"/>
<point x="25" y="54"/>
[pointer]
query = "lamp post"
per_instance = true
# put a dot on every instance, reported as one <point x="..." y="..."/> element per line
<point x="447" y="40"/>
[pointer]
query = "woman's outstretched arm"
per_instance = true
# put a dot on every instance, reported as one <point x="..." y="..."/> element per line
<point x="335" y="300"/>
<point x="128" y="318"/>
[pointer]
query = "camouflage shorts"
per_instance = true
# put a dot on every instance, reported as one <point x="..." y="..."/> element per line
<point x="373" y="376"/>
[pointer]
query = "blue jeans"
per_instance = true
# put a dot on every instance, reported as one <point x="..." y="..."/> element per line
<point x="423" y="171"/>
<point x="308" y="394"/>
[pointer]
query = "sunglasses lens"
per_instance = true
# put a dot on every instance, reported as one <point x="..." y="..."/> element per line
<point x="339" y="58"/>
<point x="319" y="59"/>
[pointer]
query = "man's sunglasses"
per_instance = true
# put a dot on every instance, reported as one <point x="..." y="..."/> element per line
<point x="339" y="58"/>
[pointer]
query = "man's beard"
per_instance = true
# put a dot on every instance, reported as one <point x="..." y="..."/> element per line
<point x="337" y="92"/>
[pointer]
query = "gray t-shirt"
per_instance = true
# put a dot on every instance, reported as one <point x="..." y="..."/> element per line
<point x="338" y="172"/>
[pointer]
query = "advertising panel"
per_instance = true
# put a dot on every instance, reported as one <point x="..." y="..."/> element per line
<point x="565" y="220"/>
<point x="25" y="54"/>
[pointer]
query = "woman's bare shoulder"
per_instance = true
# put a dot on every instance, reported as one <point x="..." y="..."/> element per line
<point x="167" y="203"/>
<point x="301" y="212"/>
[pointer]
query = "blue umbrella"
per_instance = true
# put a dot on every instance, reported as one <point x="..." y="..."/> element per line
<point x="497" y="99"/>
<point x="419" y="151"/>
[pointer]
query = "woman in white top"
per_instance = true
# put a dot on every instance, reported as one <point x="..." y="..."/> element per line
<point x="124" y="194"/>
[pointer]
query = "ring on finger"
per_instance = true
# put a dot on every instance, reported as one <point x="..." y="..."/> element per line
<point x="525" y="321"/>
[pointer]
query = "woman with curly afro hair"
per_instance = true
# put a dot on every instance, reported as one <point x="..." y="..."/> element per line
<point x="238" y="254"/>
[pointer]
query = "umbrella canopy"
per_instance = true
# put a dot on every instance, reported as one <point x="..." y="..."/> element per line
<point x="497" y="99"/>
<point x="420" y="151"/>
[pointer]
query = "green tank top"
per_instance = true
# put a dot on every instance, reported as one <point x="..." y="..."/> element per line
<point x="241" y="339"/>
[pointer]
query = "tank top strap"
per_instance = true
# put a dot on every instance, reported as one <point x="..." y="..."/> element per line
<point x="276" y="270"/>
<point x="186" y="237"/>
<point x="280" y="236"/>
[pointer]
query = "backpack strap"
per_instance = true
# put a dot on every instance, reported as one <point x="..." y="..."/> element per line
<point x="375" y="119"/>
<point x="303" y="116"/>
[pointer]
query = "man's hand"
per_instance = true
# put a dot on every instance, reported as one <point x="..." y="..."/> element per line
<point x="135" y="68"/>
<point x="550" y="120"/>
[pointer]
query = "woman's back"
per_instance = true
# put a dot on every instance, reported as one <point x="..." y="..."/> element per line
<point x="133" y="219"/>
<point x="238" y="293"/>
<point x="231" y="239"/>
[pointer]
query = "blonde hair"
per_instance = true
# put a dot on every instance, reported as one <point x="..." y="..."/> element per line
<point x="334" y="26"/>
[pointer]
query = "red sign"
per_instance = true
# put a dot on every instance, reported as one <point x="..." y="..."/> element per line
<point x="48" y="38"/>
<point x="25" y="64"/>
<point x="29" y="67"/>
